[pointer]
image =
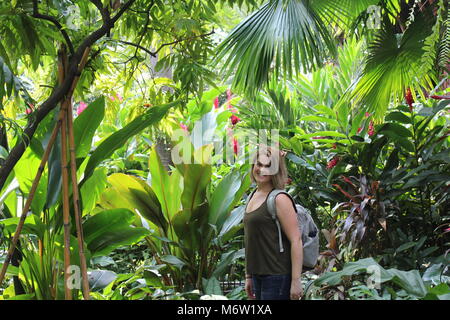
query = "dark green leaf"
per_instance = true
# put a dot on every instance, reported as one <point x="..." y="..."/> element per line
<point x="86" y="124"/>
<point x="119" y="138"/>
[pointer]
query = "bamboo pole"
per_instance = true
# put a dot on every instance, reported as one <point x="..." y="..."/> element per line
<point x="35" y="183"/>
<point x="66" y="206"/>
<point x="75" y="190"/>
<point x="77" y="206"/>
<point x="62" y="67"/>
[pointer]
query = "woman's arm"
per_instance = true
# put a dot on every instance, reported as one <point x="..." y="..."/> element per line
<point x="288" y="221"/>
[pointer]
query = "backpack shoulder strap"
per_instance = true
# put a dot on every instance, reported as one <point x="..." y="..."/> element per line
<point x="272" y="207"/>
<point x="271" y="204"/>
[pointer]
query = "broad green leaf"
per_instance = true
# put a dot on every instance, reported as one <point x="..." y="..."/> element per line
<point x="435" y="275"/>
<point x="227" y="259"/>
<point x="172" y="260"/>
<point x="212" y="286"/>
<point x="371" y="152"/>
<point x="100" y="279"/>
<point x="439" y="292"/>
<point x="224" y="197"/>
<point x="149" y="206"/>
<point x="113" y="239"/>
<point x="30" y="296"/>
<point x="203" y="132"/>
<point x="139" y="196"/>
<point x="118" y="138"/>
<point x="324" y="110"/>
<point x="406" y="246"/>
<point x="32" y="225"/>
<point x="25" y="172"/>
<point x="111" y="229"/>
<point x="191" y="227"/>
<point x="410" y="281"/>
<point x="196" y="179"/>
<point x="11" y="270"/>
<point x="85" y="125"/>
<point x="399" y="117"/>
<point x="54" y="185"/>
<point x="160" y="183"/>
<point x="395" y="128"/>
<point x="93" y="189"/>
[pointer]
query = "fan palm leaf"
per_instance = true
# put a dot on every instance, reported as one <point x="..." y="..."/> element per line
<point x="341" y="12"/>
<point x="285" y="35"/>
<point x="392" y="66"/>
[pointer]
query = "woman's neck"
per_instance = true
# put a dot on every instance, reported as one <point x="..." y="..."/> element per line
<point x="265" y="188"/>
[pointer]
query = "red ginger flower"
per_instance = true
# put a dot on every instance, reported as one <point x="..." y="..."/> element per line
<point x="371" y="131"/>
<point x="409" y="98"/>
<point x="333" y="162"/>
<point x="216" y="103"/>
<point x="235" y="146"/>
<point x="235" y="119"/>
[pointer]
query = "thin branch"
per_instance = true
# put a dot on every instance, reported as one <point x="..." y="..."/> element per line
<point x="137" y="46"/>
<point x="59" y="93"/>
<point x="181" y="40"/>
<point x="147" y="21"/>
<point x="122" y="10"/>
<point x="53" y="20"/>
<point x="154" y="53"/>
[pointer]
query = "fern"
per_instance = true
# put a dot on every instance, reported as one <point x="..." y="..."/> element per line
<point x="444" y="48"/>
<point x="437" y="44"/>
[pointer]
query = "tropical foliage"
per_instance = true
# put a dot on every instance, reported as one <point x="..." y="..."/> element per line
<point x="356" y="92"/>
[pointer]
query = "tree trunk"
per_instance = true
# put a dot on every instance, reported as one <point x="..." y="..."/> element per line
<point x="60" y="92"/>
<point x="164" y="151"/>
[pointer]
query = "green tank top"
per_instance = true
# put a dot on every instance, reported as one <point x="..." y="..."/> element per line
<point x="262" y="251"/>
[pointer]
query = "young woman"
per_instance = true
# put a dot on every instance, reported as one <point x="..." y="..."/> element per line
<point x="271" y="274"/>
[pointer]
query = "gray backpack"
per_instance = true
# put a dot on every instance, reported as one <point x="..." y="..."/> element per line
<point x="309" y="230"/>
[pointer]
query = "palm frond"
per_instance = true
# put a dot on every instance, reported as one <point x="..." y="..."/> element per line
<point x="341" y="12"/>
<point x="284" y="35"/>
<point x="393" y="64"/>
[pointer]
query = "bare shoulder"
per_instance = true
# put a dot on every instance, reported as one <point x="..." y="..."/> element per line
<point x="283" y="201"/>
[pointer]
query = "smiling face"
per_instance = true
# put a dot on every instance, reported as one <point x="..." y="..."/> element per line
<point x="268" y="168"/>
<point x="261" y="169"/>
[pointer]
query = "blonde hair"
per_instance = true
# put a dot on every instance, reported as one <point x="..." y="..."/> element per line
<point x="276" y="157"/>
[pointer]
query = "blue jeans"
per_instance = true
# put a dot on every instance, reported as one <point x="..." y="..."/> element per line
<point x="272" y="287"/>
